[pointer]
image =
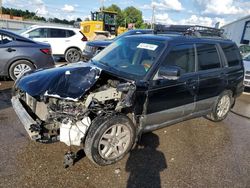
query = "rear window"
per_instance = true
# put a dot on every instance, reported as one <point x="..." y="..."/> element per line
<point x="232" y="54"/>
<point x="208" y="57"/>
<point x="4" y="39"/>
<point x="70" y="33"/>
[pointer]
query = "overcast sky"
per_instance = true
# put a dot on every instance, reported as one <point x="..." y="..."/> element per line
<point x="167" y="11"/>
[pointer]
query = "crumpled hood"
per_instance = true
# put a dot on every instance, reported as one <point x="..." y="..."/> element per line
<point x="68" y="82"/>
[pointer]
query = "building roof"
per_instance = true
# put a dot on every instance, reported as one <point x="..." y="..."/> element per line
<point x="240" y="19"/>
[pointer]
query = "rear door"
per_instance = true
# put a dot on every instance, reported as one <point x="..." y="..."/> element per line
<point x="58" y="41"/>
<point x="234" y="67"/>
<point x="8" y="50"/>
<point x="212" y="79"/>
<point x="169" y="100"/>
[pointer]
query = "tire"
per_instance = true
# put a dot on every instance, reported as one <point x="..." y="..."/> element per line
<point x="73" y="55"/>
<point x="104" y="149"/>
<point x="19" y="67"/>
<point x="221" y="107"/>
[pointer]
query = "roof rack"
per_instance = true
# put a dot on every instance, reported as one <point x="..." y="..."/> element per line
<point x="190" y="30"/>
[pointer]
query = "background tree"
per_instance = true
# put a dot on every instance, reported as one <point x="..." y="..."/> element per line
<point x="120" y="18"/>
<point x="133" y="15"/>
<point x="78" y="19"/>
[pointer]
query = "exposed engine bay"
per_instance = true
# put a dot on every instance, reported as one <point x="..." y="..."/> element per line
<point x="60" y="119"/>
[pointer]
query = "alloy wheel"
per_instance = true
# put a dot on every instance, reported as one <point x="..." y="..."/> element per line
<point x="114" y="142"/>
<point x="20" y="69"/>
<point x="223" y="106"/>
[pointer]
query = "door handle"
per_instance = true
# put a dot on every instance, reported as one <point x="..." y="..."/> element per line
<point x="10" y="50"/>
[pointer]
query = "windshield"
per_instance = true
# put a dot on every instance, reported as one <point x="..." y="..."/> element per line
<point x="132" y="57"/>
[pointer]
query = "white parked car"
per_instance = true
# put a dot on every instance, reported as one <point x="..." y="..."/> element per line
<point x="65" y="42"/>
<point x="246" y="60"/>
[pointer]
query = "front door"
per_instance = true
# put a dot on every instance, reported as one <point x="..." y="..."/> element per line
<point x="169" y="100"/>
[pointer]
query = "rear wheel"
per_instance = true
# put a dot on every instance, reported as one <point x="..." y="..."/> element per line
<point x="73" y="55"/>
<point x="221" y="107"/>
<point x="109" y="139"/>
<point x="19" y="67"/>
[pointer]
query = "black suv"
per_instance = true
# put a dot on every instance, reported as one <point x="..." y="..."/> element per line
<point x="137" y="84"/>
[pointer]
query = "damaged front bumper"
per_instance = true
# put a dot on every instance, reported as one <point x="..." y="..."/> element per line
<point x="25" y="118"/>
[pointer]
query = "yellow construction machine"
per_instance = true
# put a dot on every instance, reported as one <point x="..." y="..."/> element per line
<point x="101" y="26"/>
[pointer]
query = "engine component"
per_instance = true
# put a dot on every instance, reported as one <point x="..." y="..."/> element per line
<point x="101" y="96"/>
<point x="71" y="133"/>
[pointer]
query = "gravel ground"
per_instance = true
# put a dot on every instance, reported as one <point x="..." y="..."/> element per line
<point x="194" y="153"/>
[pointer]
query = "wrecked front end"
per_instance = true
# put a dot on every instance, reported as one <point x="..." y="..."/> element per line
<point x="59" y="104"/>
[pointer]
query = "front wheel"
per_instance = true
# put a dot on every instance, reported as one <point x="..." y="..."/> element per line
<point x="109" y="139"/>
<point x="221" y="107"/>
<point x="73" y="55"/>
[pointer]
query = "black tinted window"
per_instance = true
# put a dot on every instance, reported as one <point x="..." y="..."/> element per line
<point x="208" y="57"/>
<point x="4" y="39"/>
<point x="57" y="33"/>
<point x="38" y="33"/>
<point x="182" y="56"/>
<point x="232" y="54"/>
<point x="70" y="33"/>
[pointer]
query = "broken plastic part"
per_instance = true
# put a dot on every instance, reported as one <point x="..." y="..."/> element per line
<point x="69" y="159"/>
<point x="109" y="94"/>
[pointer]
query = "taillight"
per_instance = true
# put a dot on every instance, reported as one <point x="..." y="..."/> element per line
<point x="84" y="38"/>
<point x="46" y="51"/>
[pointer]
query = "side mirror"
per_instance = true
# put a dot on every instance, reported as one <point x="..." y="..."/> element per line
<point x="169" y="72"/>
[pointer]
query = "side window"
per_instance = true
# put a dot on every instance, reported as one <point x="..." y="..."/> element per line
<point x="4" y="39"/>
<point x="208" y="57"/>
<point x="232" y="54"/>
<point x="70" y="33"/>
<point x="182" y="56"/>
<point x="57" y="33"/>
<point x="38" y="33"/>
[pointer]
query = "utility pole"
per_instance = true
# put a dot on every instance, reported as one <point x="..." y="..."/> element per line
<point x="102" y="5"/>
<point x="153" y="17"/>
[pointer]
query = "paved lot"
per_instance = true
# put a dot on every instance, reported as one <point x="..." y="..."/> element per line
<point x="195" y="153"/>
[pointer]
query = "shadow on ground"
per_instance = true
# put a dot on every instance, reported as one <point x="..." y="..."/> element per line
<point x="145" y="163"/>
<point x="5" y="96"/>
<point x="247" y="89"/>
